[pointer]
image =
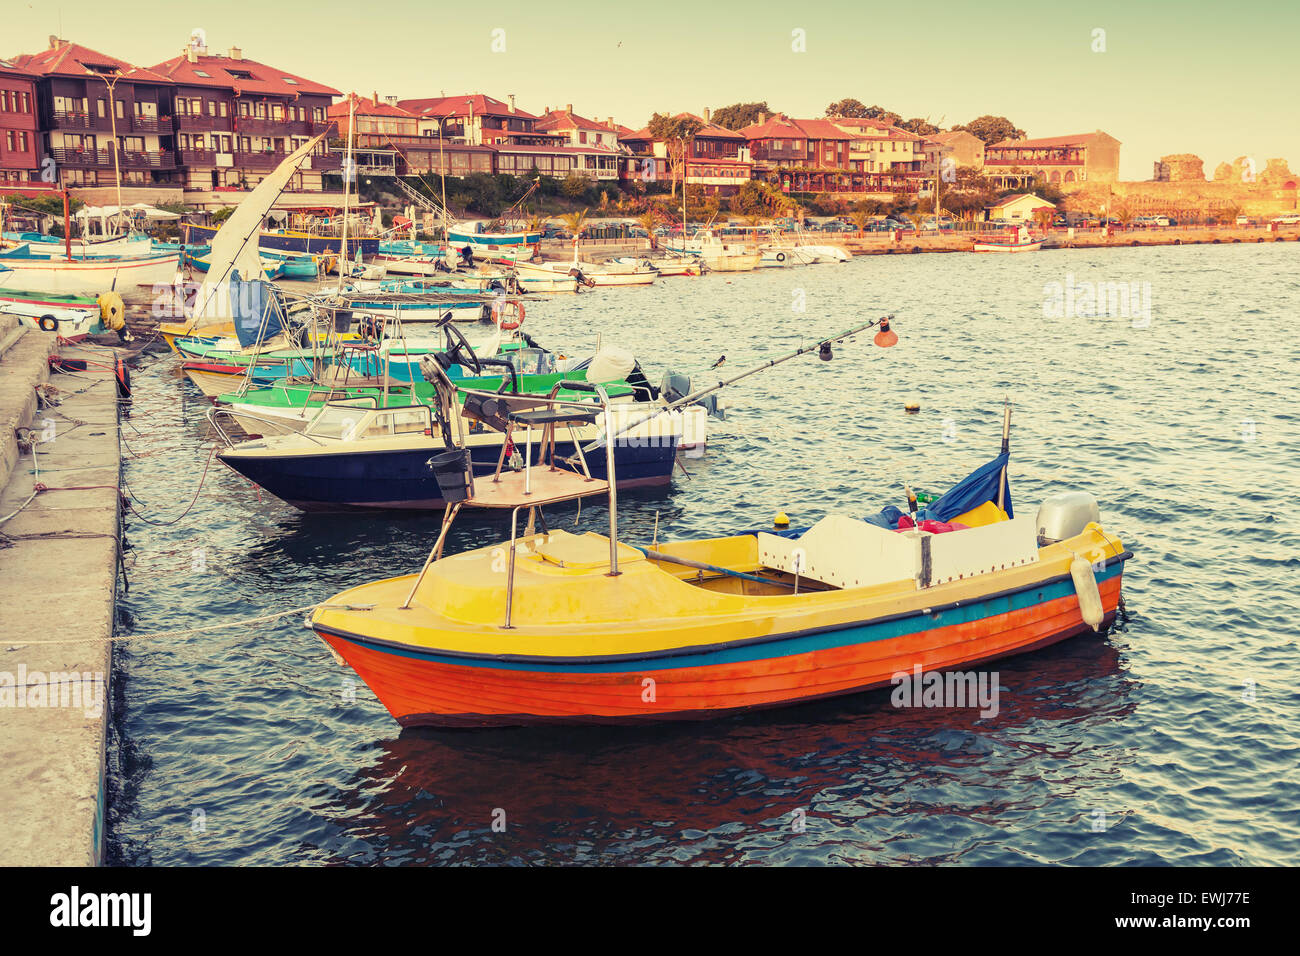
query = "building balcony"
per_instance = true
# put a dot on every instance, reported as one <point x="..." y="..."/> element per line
<point x="148" y="124"/>
<point x="261" y="126"/>
<point x="186" y="123"/>
<point x="62" y="119"/>
<point x="103" y="158"/>
<point x="995" y="160"/>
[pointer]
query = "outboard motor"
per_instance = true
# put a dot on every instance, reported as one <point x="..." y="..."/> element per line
<point x="675" y="386"/>
<point x="1064" y="515"/>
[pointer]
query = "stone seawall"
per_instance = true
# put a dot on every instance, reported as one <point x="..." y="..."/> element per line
<point x="59" y="552"/>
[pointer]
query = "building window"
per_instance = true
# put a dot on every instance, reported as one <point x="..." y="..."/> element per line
<point x="212" y="107"/>
<point x="223" y="109"/>
<point x="119" y="109"/>
<point x="9" y="139"/>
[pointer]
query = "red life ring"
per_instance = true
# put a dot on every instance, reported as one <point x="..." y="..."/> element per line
<point x="509" y="325"/>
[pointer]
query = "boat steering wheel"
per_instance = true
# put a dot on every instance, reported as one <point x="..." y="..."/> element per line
<point x="459" y="350"/>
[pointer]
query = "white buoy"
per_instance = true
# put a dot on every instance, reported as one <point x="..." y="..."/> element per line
<point x="1085" y="585"/>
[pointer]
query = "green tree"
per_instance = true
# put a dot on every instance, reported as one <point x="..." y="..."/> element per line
<point x="856" y="109"/>
<point x="676" y="133"/>
<point x="574" y="185"/>
<point x="576" y="222"/>
<point x="740" y="115"/>
<point x="918" y="126"/>
<point x="649" y="221"/>
<point x="992" y="129"/>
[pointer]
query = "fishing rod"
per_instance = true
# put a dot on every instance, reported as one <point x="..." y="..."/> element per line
<point x="885" y="338"/>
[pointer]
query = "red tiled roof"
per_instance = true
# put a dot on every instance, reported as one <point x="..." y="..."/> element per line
<point x="562" y="119"/>
<point x="708" y="129"/>
<point x="7" y="66"/>
<point x="783" y="127"/>
<point x="261" y="78"/>
<point x="1081" y="139"/>
<point x="456" y="106"/>
<point x="891" y="131"/>
<point x="951" y="135"/>
<point x="508" y="148"/>
<point x="70" y="59"/>
<point x="367" y="106"/>
<point x="1008" y="200"/>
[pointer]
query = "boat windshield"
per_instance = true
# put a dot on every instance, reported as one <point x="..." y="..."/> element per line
<point x="348" y="421"/>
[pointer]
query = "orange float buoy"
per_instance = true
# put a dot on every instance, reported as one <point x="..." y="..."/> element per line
<point x="885" y="337"/>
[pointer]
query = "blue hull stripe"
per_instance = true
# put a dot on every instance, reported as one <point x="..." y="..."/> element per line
<point x="772" y="648"/>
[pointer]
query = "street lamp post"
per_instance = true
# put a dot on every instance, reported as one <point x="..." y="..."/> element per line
<point x="112" y="115"/>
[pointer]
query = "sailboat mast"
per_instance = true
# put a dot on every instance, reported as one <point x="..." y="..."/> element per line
<point x="348" y="172"/>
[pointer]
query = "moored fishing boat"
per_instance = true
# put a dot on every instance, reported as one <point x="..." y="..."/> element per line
<point x="719" y="256"/>
<point x="72" y="317"/>
<point x="1016" y="240"/>
<point x="132" y="277"/>
<point x="586" y="629"/>
<point x="512" y="246"/>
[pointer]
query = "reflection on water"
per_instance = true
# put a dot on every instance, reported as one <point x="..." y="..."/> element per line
<point x="251" y="746"/>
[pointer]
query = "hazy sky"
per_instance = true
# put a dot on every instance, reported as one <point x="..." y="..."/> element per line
<point x="1205" y="77"/>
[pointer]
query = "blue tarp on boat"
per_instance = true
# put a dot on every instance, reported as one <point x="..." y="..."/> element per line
<point x="255" y="310"/>
<point x="979" y="486"/>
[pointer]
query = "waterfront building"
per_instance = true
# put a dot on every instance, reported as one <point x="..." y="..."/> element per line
<point x="803" y="155"/>
<point x="1086" y="157"/>
<point x="84" y="97"/>
<point x="965" y="148"/>
<point x="597" y="143"/>
<point x="234" y="120"/>
<point x="1019" y="207"/>
<point x="889" y="159"/>
<point x="381" y="131"/>
<point x="20" y="149"/>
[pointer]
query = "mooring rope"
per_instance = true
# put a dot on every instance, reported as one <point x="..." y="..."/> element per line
<point x="118" y="638"/>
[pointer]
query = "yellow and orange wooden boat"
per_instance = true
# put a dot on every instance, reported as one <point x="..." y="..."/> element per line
<point x="561" y="627"/>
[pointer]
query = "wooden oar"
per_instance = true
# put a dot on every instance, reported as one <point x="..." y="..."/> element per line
<point x="701" y="566"/>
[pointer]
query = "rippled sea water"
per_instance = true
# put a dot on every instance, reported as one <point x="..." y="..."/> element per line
<point x="1173" y="739"/>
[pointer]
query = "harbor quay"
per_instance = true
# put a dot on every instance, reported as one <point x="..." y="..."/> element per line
<point x="59" y="554"/>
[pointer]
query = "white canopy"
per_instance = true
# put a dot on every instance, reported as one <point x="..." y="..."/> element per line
<point x="139" y="209"/>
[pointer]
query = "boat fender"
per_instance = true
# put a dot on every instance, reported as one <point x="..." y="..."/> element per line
<point x="112" y="312"/>
<point x="510" y="325"/>
<point x="48" y="323"/>
<point x="123" y="376"/>
<point x="1085" y="585"/>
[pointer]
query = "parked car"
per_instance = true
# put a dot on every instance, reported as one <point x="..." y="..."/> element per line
<point x="1287" y="219"/>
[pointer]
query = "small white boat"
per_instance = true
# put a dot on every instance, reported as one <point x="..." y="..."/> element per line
<point x="665" y="265"/>
<point x="822" y="253"/>
<point x="55" y="248"/>
<point x="589" y="274"/>
<point x="72" y="317"/>
<point x="512" y="246"/>
<point x="132" y="277"/>
<point x="719" y="256"/>
<point x="1021" y="240"/>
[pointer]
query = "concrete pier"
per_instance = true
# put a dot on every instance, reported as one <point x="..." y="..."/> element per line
<point x="58" y="582"/>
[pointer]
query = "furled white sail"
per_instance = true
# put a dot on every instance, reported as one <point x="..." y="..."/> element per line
<point x="234" y="247"/>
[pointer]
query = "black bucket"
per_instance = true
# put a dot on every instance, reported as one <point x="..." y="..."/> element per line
<point x="342" y="320"/>
<point x="451" y="468"/>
